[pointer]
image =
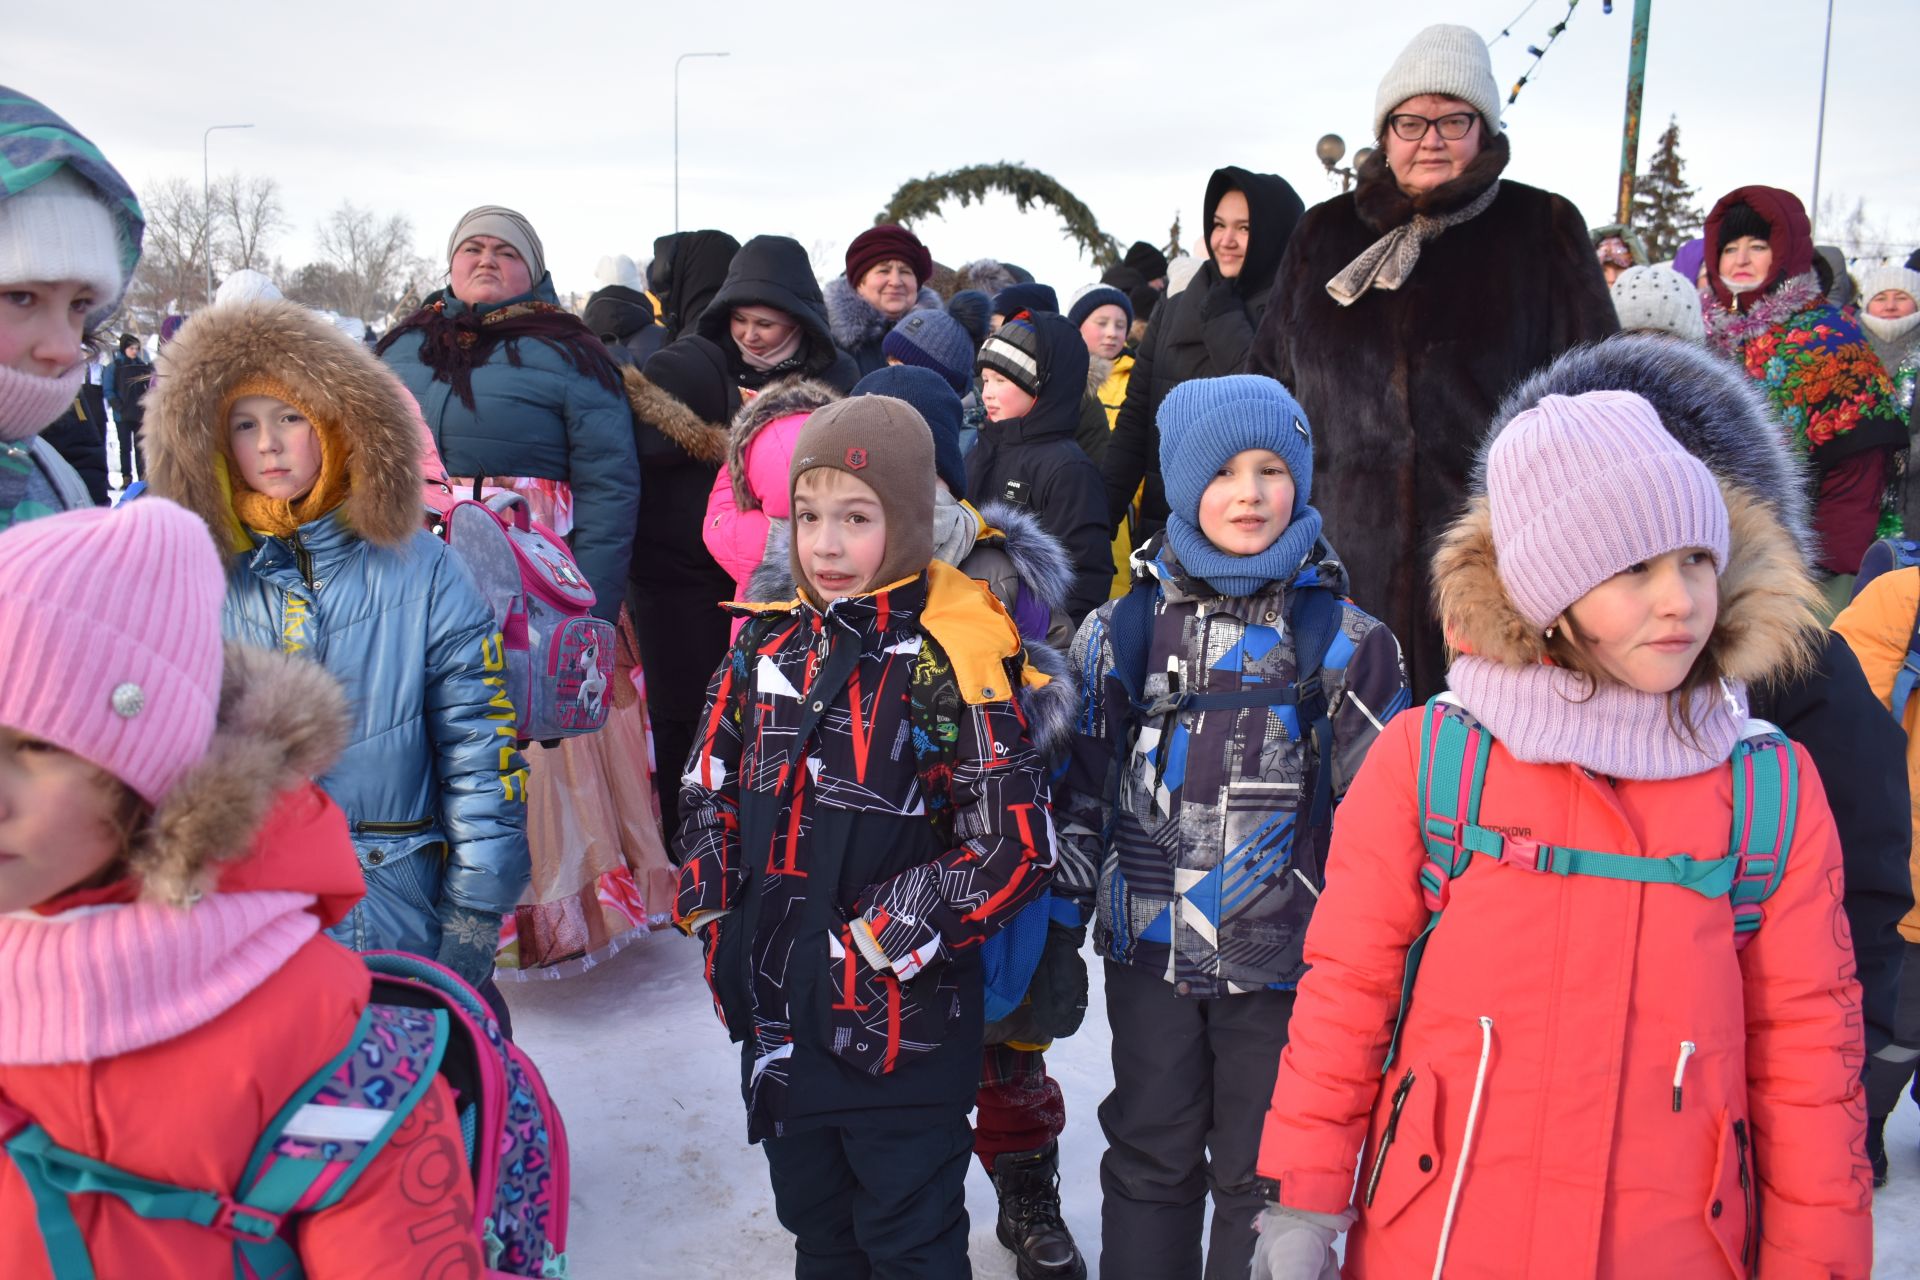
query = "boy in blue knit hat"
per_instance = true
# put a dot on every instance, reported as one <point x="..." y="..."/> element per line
<point x="1208" y="815"/>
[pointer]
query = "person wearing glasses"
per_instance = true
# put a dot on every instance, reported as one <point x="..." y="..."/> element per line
<point x="1404" y="309"/>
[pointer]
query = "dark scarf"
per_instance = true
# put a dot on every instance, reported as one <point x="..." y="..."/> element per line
<point x="453" y="346"/>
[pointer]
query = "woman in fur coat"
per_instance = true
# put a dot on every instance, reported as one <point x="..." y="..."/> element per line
<point x="887" y="270"/>
<point x="1403" y="311"/>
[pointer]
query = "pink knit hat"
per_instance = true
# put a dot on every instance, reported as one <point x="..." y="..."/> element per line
<point x="1583" y="486"/>
<point x="110" y="638"/>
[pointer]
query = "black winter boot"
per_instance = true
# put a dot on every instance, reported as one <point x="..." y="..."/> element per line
<point x="1876" y="1150"/>
<point x="1028" y="1183"/>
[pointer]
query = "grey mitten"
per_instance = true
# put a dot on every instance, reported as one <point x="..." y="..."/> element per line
<point x="1297" y="1245"/>
<point x="468" y="940"/>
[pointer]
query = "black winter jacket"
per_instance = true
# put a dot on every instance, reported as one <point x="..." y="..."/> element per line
<point x="80" y="436"/>
<point x="773" y="271"/>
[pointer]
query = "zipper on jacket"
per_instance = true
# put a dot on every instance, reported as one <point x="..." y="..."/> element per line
<point x="1746" y="1191"/>
<point x="1680" y="1069"/>
<point x="1386" y="1137"/>
<point x="304" y="559"/>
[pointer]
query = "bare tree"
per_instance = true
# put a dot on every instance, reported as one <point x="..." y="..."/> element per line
<point x="246" y="214"/>
<point x="374" y="257"/>
<point x="1860" y="231"/>
<point x="173" y="258"/>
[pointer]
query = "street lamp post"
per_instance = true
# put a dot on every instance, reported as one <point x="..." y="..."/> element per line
<point x="1820" y="131"/>
<point x="676" y="129"/>
<point x="1331" y="148"/>
<point x="206" y="197"/>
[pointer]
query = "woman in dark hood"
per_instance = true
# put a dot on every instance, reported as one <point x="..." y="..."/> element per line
<point x="1203" y="331"/>
<point x="688" y="269"/>
<point x="771" y="321"/>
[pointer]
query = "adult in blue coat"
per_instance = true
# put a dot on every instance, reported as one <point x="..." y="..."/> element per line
<point x="512" y="384"/>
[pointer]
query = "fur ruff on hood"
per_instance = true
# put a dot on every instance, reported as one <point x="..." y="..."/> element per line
<point x="781" y="399"/>
<point x="282" y="720"/>
<point x="1716" y="412"/>
<point x="1766" y="628"/>
<point x="855" y="322"/>
<point x="330" y="374"/>
<point x="1038" y="557"/>
<point x="704" y="441"/>
<point x="1099" y="369"/>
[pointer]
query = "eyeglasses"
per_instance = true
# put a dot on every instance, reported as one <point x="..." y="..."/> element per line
<point x="1411" y="128"/>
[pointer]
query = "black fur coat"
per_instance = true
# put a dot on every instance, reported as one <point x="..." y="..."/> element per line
<point x="1400" y="386"/>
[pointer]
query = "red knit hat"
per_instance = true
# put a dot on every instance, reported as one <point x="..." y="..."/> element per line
<point x="879" y="244"/>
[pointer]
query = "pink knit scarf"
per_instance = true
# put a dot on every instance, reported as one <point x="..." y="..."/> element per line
<point x="1543" y="715"/>
<point x="97" y="982"/>
<point x="29" y="404"/>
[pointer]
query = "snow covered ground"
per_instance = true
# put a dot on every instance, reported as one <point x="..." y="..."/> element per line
<point x="664" y="1183"/>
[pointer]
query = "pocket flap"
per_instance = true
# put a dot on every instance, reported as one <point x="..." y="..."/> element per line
<point x="1405" y="1155"/>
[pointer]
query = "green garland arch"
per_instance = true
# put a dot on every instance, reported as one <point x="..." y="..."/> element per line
<point x="922" y="197"/>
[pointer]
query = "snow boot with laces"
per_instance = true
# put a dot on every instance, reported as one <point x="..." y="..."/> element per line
<point x="1030" y="1226"/>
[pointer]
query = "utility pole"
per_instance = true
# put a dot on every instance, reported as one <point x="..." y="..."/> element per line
<point x="1820" y="134"/>
<point x="1636" y="82"/>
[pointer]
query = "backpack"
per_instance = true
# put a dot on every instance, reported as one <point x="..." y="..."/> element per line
<point x="1454" y="749"/>
<point x="1885" y="556"/>
<point x="555" y="659"/>
<point x="422" y="1021"/>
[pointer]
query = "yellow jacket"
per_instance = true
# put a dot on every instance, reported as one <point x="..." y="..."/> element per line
<point x="1878" y="626"/>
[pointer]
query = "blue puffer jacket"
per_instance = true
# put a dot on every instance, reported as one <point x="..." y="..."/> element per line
<point x="540" y="417"/>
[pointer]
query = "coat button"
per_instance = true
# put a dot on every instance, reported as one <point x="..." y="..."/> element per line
<point x="819" y="706"/>
<point x="1184" y="988"/>
<point x="376" y="858"/>
<point x="1426" y="1164"/>
<point x="1715" y="1210"/>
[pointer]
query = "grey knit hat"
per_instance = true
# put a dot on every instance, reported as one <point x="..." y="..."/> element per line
<point x="1444" y="59"/>
<point x="1658" y="298"/>
<point x="501" y="223"/>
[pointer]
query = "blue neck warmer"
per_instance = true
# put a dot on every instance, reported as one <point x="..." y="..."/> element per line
<point x="1236" y="576"/>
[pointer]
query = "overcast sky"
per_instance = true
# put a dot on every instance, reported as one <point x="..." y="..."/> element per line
<point x="565" y="110"/>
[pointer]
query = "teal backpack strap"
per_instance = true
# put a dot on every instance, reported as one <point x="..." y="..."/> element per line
<point x="1766" y="797"/>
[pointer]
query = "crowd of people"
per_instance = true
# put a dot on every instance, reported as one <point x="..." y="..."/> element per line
<point x="1456" y="669"/>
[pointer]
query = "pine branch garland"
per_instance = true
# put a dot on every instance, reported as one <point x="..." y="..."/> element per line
<point x="920" y="198"/>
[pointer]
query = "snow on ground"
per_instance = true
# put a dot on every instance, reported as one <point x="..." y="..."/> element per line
<point x="664" y="1183"/>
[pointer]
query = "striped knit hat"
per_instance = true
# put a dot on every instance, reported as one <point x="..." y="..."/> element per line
<point x="1013" y="353"/>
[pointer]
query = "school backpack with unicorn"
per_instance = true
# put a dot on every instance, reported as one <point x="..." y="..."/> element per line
<point x="423" y="1021"/>
<point x="557" y="658"/>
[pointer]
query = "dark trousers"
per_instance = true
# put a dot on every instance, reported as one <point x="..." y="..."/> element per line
<point x="672" y="743"/>
<point x="1191" y="1083"/>
<point x="1019" y="1107"/>
<point x="885" y="1204"/>
<point x="1890" y="1070"/>
<point x="133" y="457"/>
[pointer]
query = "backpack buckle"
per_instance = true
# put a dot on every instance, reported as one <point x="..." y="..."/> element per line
<point x="1526" y="853"/>
<point x="244" y="1222"/>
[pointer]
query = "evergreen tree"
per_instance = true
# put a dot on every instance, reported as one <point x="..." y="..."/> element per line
<point x="1663" y="209"/>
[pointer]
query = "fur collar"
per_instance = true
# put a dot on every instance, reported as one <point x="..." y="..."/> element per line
<point x="1099" y="369"/>
<point x="1038" y="557"/>
<point x="332" y="376"/>
<point x="781" y="399"/>
<point x="1382" y="205"/>
<point x="282" y="720"/>
<point x="1766" y="627"/>
<point x="855" y="322"/>
<point x="1728" y="329"/>
<point x="703" y="441"/>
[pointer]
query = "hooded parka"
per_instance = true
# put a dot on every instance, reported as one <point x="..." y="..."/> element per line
<point x="773" y="271"/>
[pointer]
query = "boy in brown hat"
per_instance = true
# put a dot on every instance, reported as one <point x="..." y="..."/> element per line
<point x="863" y="809"/>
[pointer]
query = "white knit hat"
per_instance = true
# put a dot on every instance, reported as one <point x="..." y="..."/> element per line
<point x="59" y="229"/>
<point x="1447" y="60"/>
<point x="1880" y="279"/>
<point x="1658" y="298"/>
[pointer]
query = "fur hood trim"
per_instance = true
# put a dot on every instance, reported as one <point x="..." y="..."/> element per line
<point x="704" y="441"/>
<point x="1382" y="205"/>
<point x="1038" y="557"/>
<point x="282" y="720"/>
<point x="1053" y="709"/>
<point x="1766" y="628"/>
<point x="333" y="377"/>
<point x="1716" y="412"/>
<point x="781" y="399"/>
<point x="1099" y="369"/>
<point x="854" y="322"/>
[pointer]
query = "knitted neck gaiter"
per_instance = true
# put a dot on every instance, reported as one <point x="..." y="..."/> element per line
<point x="97" y="982"/>
<point x="29" y="404"/>
<point x="1544" y="715"/>
<point x="1235" y="576"/>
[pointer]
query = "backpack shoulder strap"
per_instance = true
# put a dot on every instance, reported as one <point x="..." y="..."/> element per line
<point x="1766" y="790"/>
<point x="1315" y="620"/>
<point x="1129" y="635"/>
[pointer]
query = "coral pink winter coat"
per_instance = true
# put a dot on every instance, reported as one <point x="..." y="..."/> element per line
<point x="1587" y="1158"/>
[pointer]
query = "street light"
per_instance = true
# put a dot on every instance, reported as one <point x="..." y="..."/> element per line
<point x="1331" y="148"/>
<point x="676" y="129"/>
<point x="206" y="198"/>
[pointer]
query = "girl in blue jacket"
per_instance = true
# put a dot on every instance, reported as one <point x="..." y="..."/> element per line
<point x="302" y="454"/>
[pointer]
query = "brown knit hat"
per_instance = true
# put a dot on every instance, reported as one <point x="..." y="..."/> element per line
<point x="886" y="444"/>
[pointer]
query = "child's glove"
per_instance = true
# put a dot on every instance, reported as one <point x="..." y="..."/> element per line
<point x="1297" y="1245"/>
<point x="468" y="940"/>
<point x="1059" y="987"/>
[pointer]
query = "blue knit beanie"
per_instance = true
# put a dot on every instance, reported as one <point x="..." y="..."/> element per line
<point x="1092" y="298"/>
<point x="974" y="310"/>
<point x="1206" y="421"/>
<point x="935" y="401"/>
<point x="933" y="340"/>
<point x="1014" y="299"/>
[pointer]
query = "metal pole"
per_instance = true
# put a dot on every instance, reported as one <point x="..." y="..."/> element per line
<point x="206" y="199"/>
<point x="676" y="130"/>
<point x="1636" y="82"/>
<point x="1820" y="133"/>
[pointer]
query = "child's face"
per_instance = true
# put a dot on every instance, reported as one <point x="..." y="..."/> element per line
<point x="1002" y="398"/>
<point x="41" y="324"/>
<point x="1105" y="331"/>
<point x="56" y="821"/>
<point x="1647" y="624"/>
<point x="839" y="532"/>
<point x="275" y="448"/>
<point x="1248" y="504"/>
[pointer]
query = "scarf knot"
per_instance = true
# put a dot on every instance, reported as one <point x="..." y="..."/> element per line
<point x="1388" y="261"/>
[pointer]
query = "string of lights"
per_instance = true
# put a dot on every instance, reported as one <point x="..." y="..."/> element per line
<point x="1512" y="22"/>
<point x="1540" y="51"/>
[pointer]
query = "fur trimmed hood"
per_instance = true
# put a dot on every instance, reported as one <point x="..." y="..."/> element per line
<point x="282" y="720"/>
<point x="1711" y="407"/>
<point x="854" y="322"/>
<point x="332" y="376"/>
<point x="781" y="399"/>
<point x="703" y="441"/>
<point x="1038" y="557"/>
<point x="1766" y="626"/>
